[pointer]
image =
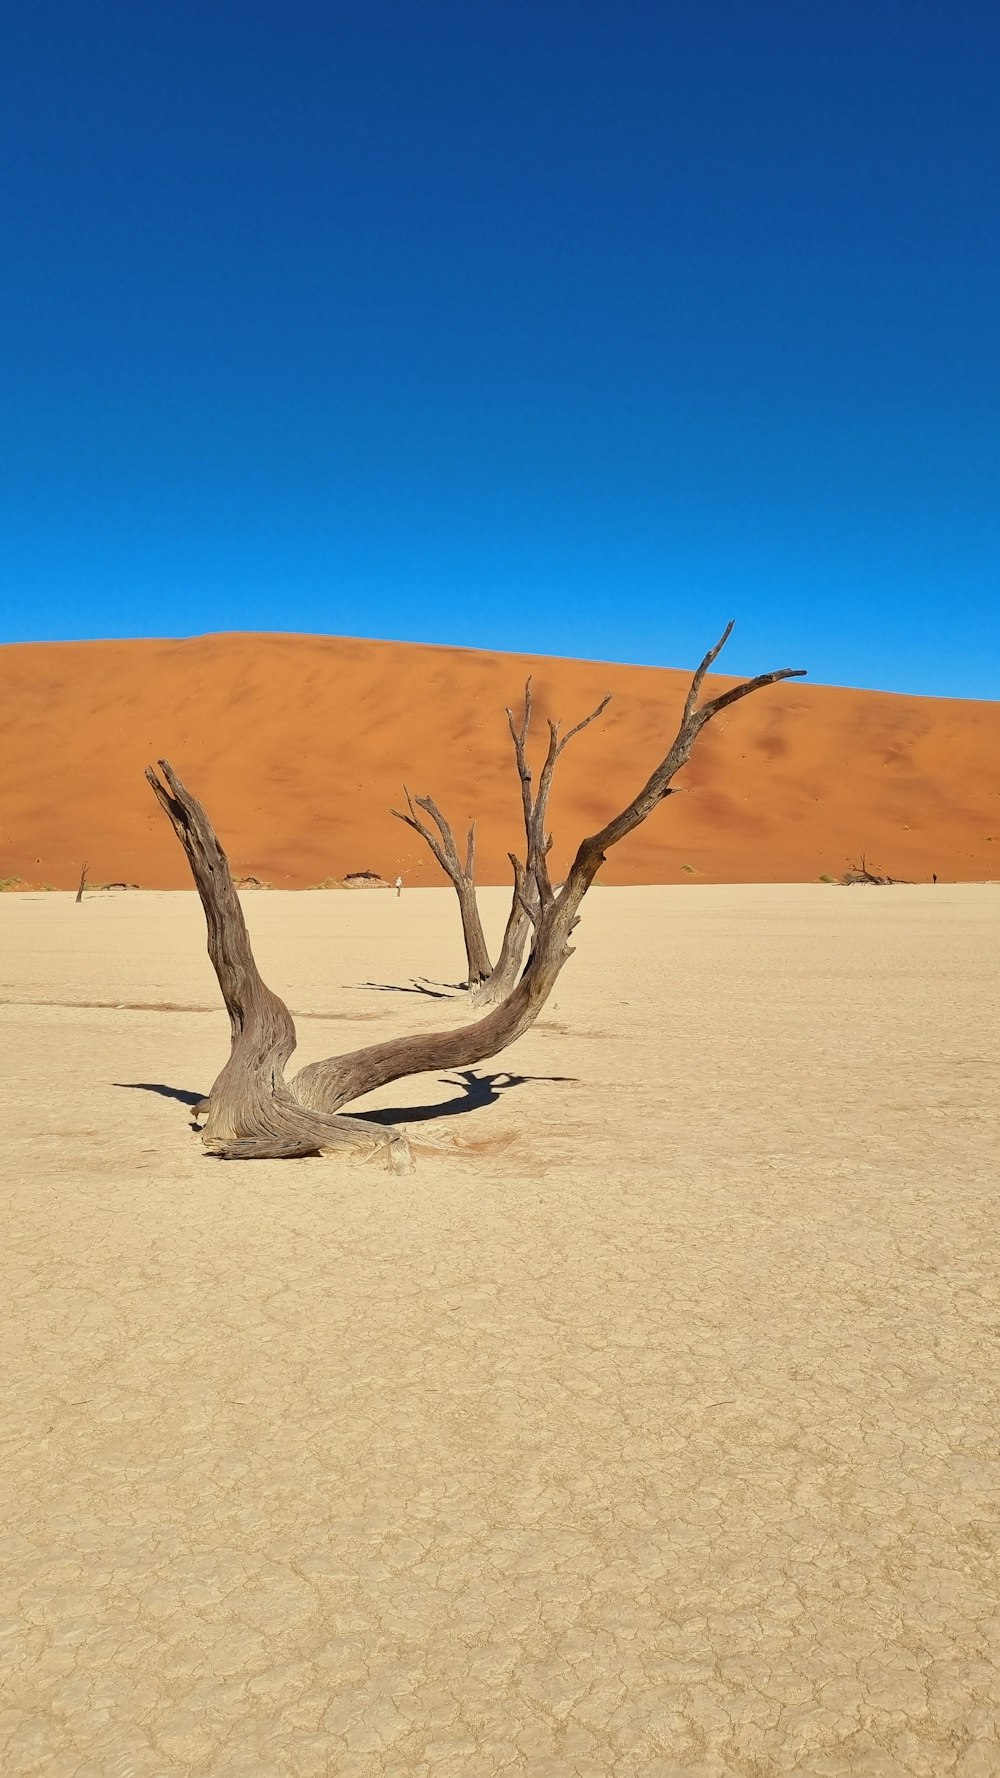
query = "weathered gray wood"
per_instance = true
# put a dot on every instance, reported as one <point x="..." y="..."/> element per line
<point x="442" y="845"/>
<point x="250" y="1112"/>
<point x="528" y="887"/>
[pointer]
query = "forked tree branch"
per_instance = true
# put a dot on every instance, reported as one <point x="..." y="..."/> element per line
<point x="535" y="804"/>
<point x="540" y="842"/>
<point x="691" y="701"/>
<point x="442" y="845"/>
<point x="251" y="1111"/>
<point x="530" y="876"/>
<point x="658" y="785"/>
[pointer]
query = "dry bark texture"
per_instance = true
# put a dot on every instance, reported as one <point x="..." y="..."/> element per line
<point x="252" y="1110"/>
<point x="491" y="983"/>
<point x="530" y="879"/>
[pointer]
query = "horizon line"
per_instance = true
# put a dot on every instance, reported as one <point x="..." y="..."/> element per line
<point x="469" y="649"/>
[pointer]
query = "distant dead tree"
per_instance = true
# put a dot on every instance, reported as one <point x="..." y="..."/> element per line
<point x="252" y="1111"/>
<point x="490" y="983"/>
<point x="860" y="873"/>
<point x="442" y="845"/>
<point x="83" y="883"/>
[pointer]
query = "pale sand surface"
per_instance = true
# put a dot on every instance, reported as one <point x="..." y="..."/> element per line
<point x="649" y="1427"/>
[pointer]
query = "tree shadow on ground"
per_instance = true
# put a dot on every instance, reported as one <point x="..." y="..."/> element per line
<point x="148" y="1086"/>
<point x="477" y="1090"/>
<point x="416" y="985"/>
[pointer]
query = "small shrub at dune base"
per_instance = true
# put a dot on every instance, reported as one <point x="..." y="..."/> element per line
<point x="689" y="870"/>
<point x="10" y="883"/>
<point x="826" y="878"/>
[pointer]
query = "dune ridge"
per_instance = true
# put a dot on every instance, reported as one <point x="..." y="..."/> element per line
<point x="299" y="744"/>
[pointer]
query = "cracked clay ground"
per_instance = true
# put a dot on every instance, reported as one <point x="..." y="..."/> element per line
<point x="649" y="1427"/>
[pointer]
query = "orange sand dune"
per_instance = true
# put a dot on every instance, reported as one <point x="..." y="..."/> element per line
<point x="298" y="745"/>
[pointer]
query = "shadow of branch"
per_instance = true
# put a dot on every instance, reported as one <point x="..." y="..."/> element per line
<point x="147" y="1086"/>
<point x="417" y="985"/>
<point x="477" y="1090"/>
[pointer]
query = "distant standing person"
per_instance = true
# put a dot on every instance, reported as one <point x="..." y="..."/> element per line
<point x="399" y="886"/>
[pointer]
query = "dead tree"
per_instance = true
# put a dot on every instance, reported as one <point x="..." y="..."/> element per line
<point x="491" y="983"/>
<point x="83" y="883"/>
<point x="443" y="846"/>
<point x="253" y="1112"/>
<point x="860" y="873"/>
<point x="525" y="903"/>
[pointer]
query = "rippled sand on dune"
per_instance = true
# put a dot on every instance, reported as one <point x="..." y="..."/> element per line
<point x="298" y="746"/>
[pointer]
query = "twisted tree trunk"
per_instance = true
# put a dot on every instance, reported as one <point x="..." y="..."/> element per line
<point x="505" y="972"/>
<point x="252" y="1111"/>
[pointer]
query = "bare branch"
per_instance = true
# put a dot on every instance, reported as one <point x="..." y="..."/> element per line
<point x="449" y="861"/>
<point x="587" y="720"/>
<point x="444" y="828"/>
<point x="521" y="891"/>
<point x="590" y="854"/>
<point x="520" y="740"/>
<point x="521" y="735"/>
<point x="534" y="804"/>
<point x="445" y="851"/>
<point x="413" y="819"/>
<point x="539" y="842"/>
<point x="736" y="692"/>
<point x="700" y="671"/>
<point x="538" y="845"/>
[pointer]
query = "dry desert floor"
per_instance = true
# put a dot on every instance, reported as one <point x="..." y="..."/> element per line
<point x="649" y="1427"/>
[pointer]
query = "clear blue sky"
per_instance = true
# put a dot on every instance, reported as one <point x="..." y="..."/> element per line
<point x="569" y="327"/>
